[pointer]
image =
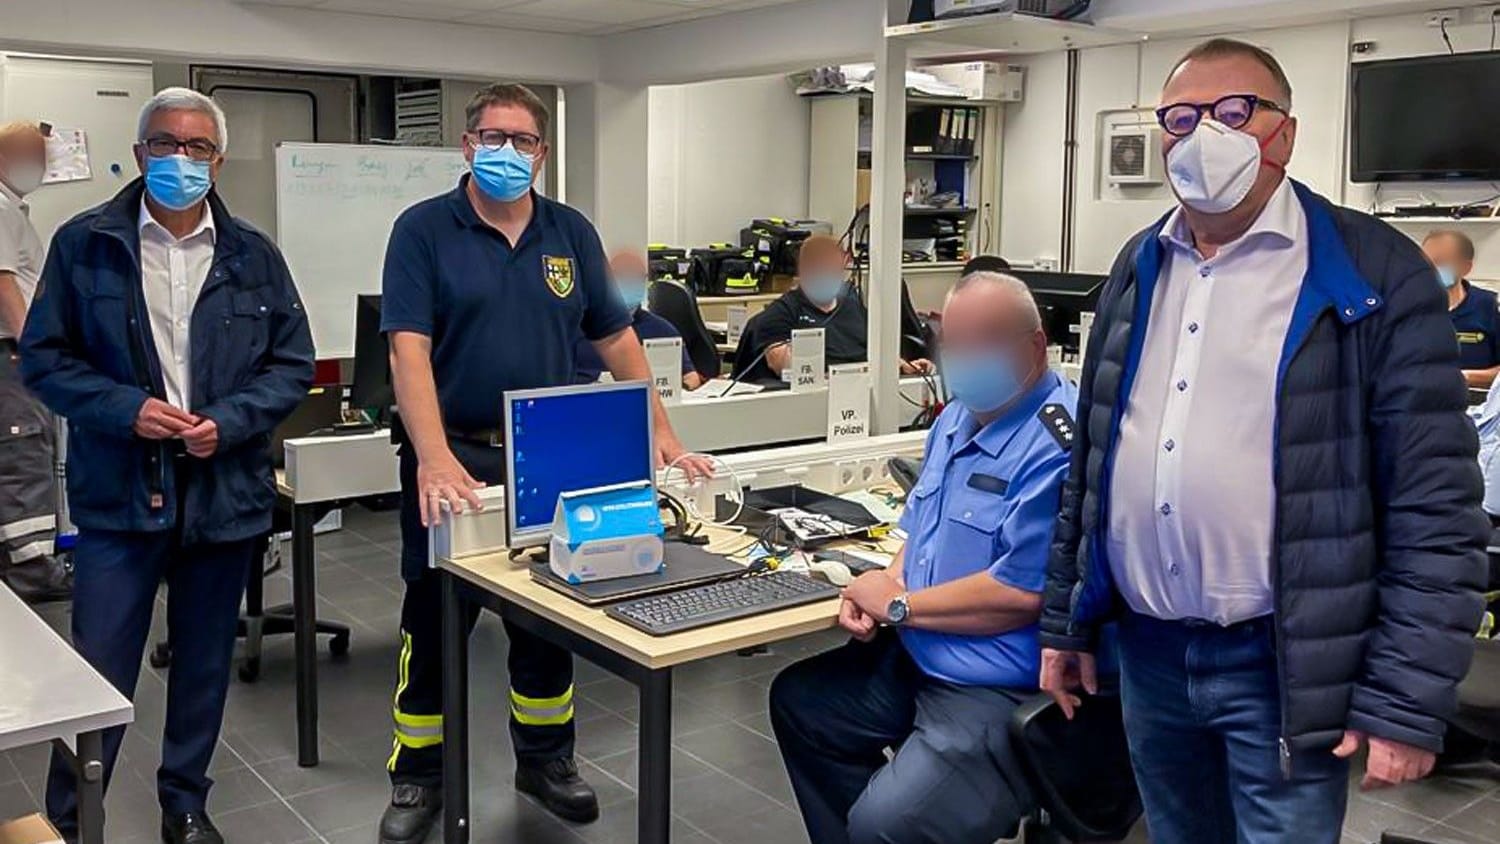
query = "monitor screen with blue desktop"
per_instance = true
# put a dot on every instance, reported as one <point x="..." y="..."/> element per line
<point x="564" y="439"/>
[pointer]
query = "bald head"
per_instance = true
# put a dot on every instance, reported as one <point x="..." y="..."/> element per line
<point x="628" y="263"/>
<point x="23" y="156"/>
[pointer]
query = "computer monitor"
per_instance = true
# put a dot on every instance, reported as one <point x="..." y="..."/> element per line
<point x="1061" y="298"/>
<point x="371" y="389"/>
<point x="563" y="439"/>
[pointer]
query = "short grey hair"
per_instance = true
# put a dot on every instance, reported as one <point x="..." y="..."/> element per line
<point x="1017" y="288"/>
<point x="184" y="99"/>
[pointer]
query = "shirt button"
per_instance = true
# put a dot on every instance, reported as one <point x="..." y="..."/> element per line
<point x="1169" y="445"/>
<point x="968" y="514"/>
<point x="1192" y="328"/>
<point x="1174" y="569"/>
<point x="1206" y="270"/>
<point x="1182" y="385"/>
<point x="1166" y="509"/>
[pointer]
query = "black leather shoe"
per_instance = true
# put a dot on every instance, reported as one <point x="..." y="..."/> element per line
<point x="413" y="811"/>
<point x="560" y="789"/>
<point x="189" y="828"/>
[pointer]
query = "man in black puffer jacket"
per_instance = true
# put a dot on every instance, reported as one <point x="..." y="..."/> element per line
<point x="1273" y="490"/>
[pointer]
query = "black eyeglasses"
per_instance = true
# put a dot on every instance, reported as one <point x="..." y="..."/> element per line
<point x="1235" y="111"/>
<point x="198" y="149"/>
<point x="493" y="139"/>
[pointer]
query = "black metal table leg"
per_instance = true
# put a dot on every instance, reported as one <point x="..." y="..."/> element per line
<point x="455" y="713"/>
<point x="89" y="761"/>
<point x="654" y="812"/>
<point x="305" y="634"/>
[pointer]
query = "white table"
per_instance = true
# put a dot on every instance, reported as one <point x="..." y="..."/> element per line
<point x="48" y="693"/>
<point x="323" y="472"/>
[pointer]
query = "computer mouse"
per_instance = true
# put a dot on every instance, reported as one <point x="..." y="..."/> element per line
<point x="833" y="571"/>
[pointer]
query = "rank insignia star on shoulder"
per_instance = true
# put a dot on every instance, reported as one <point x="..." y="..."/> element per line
<point x="1059" y="423"/>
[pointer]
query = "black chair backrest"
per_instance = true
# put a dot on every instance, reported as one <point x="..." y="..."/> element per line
<point x="676" y="304"/>
<point x="916" y="334"/>
<point x="1079" y="770"/>
<point x="747" y="351"/>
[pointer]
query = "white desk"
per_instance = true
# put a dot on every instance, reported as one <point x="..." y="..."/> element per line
<point x="321" y="473"/>
<point x="48" y="693"/>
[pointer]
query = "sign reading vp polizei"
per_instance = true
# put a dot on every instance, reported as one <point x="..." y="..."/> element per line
<point x="807" y="360"/>
<point x="848" y="402"/>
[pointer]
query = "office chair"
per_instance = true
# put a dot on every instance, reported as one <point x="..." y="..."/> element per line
<point x="1078" y="770"/>
<point x="258" y="621"/>
<point x="675" y="303"/>
<point x="917" y="336"/>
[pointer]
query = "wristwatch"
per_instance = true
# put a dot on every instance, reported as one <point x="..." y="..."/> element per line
<point x="899" y="610"/>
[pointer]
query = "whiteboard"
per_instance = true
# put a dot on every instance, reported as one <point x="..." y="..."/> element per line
<point x="335" y="205"/>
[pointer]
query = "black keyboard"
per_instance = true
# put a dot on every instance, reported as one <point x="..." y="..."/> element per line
<point x="673" y="612"/>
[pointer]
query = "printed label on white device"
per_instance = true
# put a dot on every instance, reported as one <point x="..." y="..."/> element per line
<point x="736" y="316"/>
<point x="807" y="360"/>
<point x="848" y="402"/>
<point x="664" y="355"/>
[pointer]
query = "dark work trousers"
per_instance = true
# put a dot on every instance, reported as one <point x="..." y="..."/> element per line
<point x="28" y="472"/>
<point x="116" y="577"/>
<point x="953" y="778"/>
<point x="541" y="673"/>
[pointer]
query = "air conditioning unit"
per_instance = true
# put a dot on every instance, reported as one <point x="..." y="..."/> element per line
<point x="1133" y="155"/>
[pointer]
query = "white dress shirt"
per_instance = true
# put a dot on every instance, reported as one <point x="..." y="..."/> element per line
<point x="1487" y="419"/>
<point x="21" y="251"/>
<point x="1193" y="493"/>
<point x="172" y="272"/>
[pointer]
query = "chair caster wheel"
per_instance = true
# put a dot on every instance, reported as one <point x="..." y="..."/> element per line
<point x="161" y="656"/>
<point x="250" y="670"/>
<point x="339" y="644"/>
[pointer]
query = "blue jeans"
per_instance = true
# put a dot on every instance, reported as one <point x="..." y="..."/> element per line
<point x="1203" y="718"/>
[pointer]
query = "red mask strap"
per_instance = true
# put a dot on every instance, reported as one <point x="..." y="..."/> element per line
<point x="1274" y="165"/>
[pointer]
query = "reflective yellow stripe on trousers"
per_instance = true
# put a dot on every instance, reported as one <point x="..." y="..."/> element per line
<point x="542" y="711"/>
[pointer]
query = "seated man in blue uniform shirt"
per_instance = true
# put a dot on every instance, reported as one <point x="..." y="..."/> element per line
<point x="627" y="275"/>
<point x="1475" y="311"/>
<point x="945" y="640"/>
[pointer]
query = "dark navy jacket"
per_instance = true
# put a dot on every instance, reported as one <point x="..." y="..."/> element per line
<point x="87" y="353"/>
<point x="1378" y="554"/>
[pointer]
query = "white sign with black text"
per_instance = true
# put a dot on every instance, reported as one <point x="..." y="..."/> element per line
<point x="807" y="360"/>
<point x="664" y="355"/>
<point x="848" y="402"/>
<point x="736" y="316"/>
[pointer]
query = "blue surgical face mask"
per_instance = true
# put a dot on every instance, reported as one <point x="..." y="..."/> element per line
<point x="1447" y="277"/>
<point x="824" y="288"/>
<point x="177" y="182"/>
<point x="632" y="291"/>
<point x="503" y="173"/>
<point x="983" y="381"/>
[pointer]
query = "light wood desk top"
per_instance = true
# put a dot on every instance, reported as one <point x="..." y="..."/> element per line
<point x="281" y="486"/>
<point x="512" y="581"/>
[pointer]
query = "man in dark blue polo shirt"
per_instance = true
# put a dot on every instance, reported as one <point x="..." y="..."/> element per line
<point x="1475" y="311"/>
<point x="488" y="288"/>
<point x="627" y="275"/>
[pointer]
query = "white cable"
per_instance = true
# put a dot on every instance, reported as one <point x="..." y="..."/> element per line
<point x="690" y="503"/>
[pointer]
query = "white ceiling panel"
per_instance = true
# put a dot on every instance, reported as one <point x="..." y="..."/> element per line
<point x="592" y="17"/>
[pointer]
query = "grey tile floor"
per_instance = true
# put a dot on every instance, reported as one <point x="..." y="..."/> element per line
<point x="729" y="786"/>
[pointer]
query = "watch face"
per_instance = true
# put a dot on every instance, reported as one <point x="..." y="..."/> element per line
<point x="897" y="610"/>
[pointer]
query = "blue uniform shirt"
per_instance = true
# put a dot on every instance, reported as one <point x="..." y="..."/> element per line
<point x="986" y="501"/>
<point x="648" y="326"/>
<point x="1477" y="321"/>
<point x="500" y="318"/>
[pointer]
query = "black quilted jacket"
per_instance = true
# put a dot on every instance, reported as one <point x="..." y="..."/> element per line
<point x="1379" y="538"/>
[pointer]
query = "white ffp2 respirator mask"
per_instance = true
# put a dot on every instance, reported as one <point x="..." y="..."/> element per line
<point x="1213" y="169"/>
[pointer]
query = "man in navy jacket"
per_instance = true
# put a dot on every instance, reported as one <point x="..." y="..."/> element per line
<point x="1274" y="487"/>
<point x="171" y="337"/>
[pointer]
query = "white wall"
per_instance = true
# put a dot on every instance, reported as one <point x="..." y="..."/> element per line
<point x="1113" y="79"/>
<point x="723" y="153"/>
